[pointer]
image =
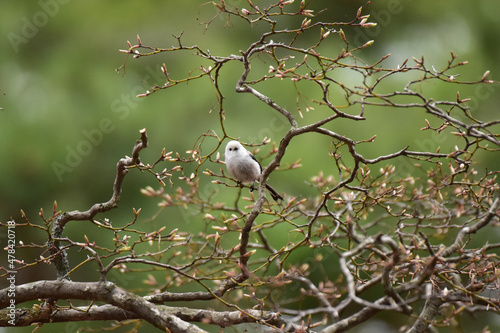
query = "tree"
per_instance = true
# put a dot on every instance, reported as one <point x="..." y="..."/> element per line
<point x="393" y="232"/>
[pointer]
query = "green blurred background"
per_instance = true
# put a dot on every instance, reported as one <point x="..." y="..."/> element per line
<point x="62" y="94"/>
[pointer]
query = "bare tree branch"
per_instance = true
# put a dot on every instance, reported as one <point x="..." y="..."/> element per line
<point x="60" y="258"/>
<point x="98" y="291"/>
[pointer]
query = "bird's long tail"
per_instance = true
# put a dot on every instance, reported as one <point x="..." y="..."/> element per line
<point x="276" y="196"/>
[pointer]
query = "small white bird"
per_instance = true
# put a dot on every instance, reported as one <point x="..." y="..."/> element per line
<point x="243" y="166"/>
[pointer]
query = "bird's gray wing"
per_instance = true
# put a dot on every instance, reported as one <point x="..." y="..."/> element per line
<point x="253" y="158"/>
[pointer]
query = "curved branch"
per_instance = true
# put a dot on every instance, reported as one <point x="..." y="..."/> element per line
<point x="98" y="291"/>
<point x="60" y="258"/>
<point x="485" y="220"/>
<point x="429" y="311"/>
<point x="111" y="312"/>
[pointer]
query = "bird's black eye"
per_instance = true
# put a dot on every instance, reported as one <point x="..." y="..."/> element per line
<point x="235" y="148"/>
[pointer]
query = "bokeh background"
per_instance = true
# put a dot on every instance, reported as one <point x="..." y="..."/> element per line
<point x="68" y="115"/>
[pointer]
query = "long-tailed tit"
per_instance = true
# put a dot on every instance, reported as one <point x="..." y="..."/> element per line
<point x="243" y="166"/>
